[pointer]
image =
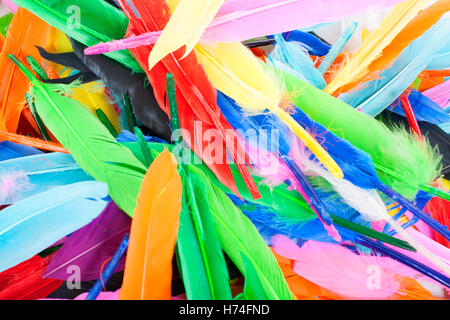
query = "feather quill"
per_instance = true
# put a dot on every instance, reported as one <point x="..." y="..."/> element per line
<point x="372" y="47"/>
<point x="83" y="135"/>
<point x="33" y="224"/>
<point x="148" y="267"/>
<point x="239" y="21"/>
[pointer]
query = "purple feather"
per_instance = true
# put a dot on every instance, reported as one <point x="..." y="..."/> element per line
<point x="89" y="247"/>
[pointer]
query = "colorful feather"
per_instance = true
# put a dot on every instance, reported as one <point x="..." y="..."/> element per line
<point x="33" y="224"/>
<point x="358" y="67"/>
<point x="239" y="21"/>
<point x="25" y="31"/>
<point x="148" y="268"/>
<point x="184" y="28"/>
<point x="440" y="94"/>
<point x="380" y="93"/>
<point x="89" y="247"/>
<point x="83" y="135"/>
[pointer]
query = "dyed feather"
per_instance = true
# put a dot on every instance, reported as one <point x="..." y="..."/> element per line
<point x="40" y="173"/>
<point x="411" y="167"/>
<point x="24" y="281"/>
<point x="83" y="135"/>
<point x="88" y="29"/>
<point x="119" y="80"/>
<point x="184" y="28"/>
<point x="314" y="45"/>
<point x="33" y="224"/>
<point x="321" y="262"/>
<point x="91" y="246"/>
<point x="25" y="31"/>
<point x="378" y="94"/>
<point x="252" y="88"/>
<point x="196" y="98"/>
<point x="10" y="150"/>
<point x="337" y="48"/>
<point x="440" y="94"/>
<point x="358" y="67"/>
<point x="296" y="57"/>
<point x="239" y="21"/>
<point x="148" y="268"/>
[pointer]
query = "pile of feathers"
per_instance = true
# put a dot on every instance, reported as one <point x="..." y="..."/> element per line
<point x="224" y="149"/>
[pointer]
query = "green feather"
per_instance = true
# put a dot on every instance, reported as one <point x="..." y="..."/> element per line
<point x="88" y="22"/>
<point x="394" y="151"/>
<point x="4" y="23"/>
<point x="89" y="141"/>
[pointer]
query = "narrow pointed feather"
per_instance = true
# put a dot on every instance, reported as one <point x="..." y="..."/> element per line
<point x="239" y="237"/>
<point x="148" y="268"/>
<point x="372" y="47"/>
<point x="25" y="31"/>
<point x="84" y="136"/>
<point x="196" y="97"/>
<point x="380" y="93"/>
<point x="41" y="172"/>
<point x="90" y="246"/>
<point x="236" y="72"/>
<point x="185" y="27"/>
<point x="33" y="224"/>
<point x="242" y="20"/>
<point x="79" y="20"/>
<point x="196" y="188"/>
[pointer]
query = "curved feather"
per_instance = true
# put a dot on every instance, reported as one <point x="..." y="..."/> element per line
<point x="84" y="135"/>
<point x="33" y="224"/>
<point x="148" y="267"/>
<point x="25" y="31"/>
<point x="372" y="47"/>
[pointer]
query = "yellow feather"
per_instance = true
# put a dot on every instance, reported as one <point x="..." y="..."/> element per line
<point x="371" y="48"/>
<point x="236" y="72"/>
<point x="185" y="27"/>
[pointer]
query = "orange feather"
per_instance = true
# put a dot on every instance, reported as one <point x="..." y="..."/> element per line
<point x="154" y="229"/>
<point x="24" y="33"/>
<point x="32" y="142"/>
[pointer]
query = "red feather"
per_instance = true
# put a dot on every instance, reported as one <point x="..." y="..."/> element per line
<point x="24" y="281"/>
<point x="439" y="209"/>
<point x="196" y="97"/>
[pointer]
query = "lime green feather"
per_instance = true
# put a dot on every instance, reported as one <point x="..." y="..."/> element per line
<point x="89" y="141"/>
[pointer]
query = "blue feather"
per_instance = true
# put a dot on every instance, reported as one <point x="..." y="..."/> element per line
<point x="424" y="109"/>
<point x="310" y="42"/>
<point x="10" y="150"/>
<point x="337" y="47"/>
<point x="35" y="223"/>
<point x="295" y="56"/>
<point x="442" y="59"/>
<point x="379" y="94"/>
<point x="40" y="172"/>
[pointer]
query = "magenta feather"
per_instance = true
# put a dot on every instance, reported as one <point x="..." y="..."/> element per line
<point x="440" y="94"/>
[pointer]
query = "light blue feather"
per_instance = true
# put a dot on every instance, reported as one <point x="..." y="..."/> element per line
<point x="40" y="173"/>
<point x="295" y="56"/>
<point x="378" y="94"/>
<point x="442" y="59"/>
<point x="35" y="223"/>
<point x="337" y="47"/>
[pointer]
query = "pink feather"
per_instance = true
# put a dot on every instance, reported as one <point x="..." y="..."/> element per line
<point x="339" y="270"/>
<point x="239" y="20"/>
<point x="440" y="94"/>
